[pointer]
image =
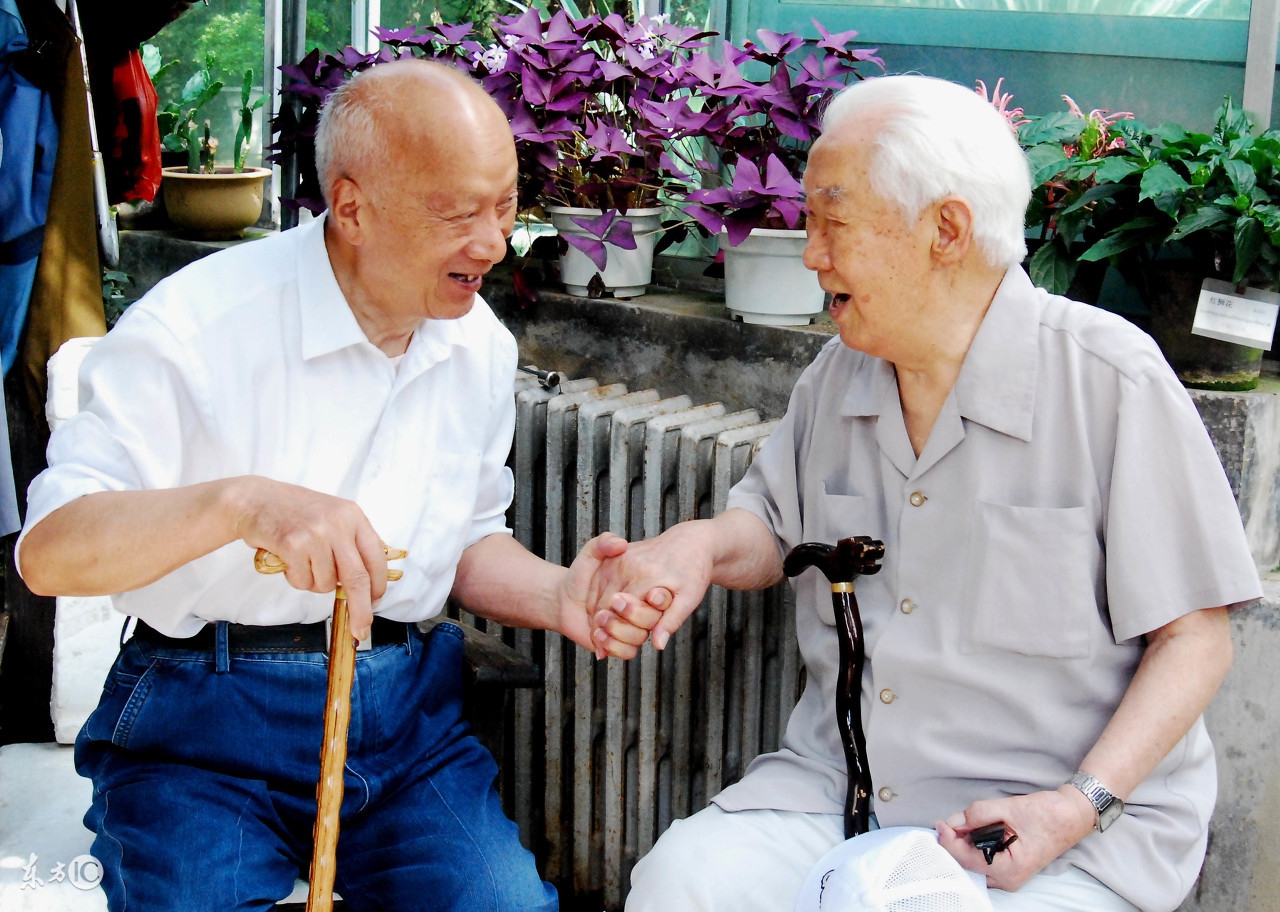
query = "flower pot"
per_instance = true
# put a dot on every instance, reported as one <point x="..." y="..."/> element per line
<point x="1200" y="362"/>
<point x="765" y="280"/>
<point x="214" y="206"/>
<point x="627" y="272"/>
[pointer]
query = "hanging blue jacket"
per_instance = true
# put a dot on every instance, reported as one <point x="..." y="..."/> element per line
<point x="28" y="144"/>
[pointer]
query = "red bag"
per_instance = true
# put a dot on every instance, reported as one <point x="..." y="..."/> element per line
<point x="132" y="151"/>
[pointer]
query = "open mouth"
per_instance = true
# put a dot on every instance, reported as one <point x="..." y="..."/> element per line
<point x="838" y="301"/>
<point x="466" y="279"/>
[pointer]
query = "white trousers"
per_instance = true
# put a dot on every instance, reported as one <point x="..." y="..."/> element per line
<point x="757" y="861"/>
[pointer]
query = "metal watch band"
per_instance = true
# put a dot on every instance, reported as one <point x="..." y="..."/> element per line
<point x="1107" y="805"/>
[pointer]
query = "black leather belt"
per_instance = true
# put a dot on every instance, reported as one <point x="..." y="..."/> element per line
<point x="244" y="638"/>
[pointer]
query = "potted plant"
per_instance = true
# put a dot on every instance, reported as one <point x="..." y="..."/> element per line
<point x="597" y="106"/>
<point x="1198" y="206"/>
<point x="1076" y="162"/>
<point x="201" y="197"/>
<point x="762" y="111"/>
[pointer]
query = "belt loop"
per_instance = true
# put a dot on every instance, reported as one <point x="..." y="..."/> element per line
<point x="221" y="647"/>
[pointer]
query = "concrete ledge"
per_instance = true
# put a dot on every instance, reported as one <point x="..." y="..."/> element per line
<point x="1242" y="870"/>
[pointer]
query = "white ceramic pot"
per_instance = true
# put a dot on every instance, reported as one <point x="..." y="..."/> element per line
<point x="626" y="272"/>
<point x="765" y="280"/>
<point x="214" y="206"/>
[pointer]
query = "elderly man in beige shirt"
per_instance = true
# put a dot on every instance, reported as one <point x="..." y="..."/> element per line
<point x="1061" y="549"/>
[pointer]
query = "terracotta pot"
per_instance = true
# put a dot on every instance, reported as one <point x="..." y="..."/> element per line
<point x="214" y="206"/>
<point x="1200" y="362"/>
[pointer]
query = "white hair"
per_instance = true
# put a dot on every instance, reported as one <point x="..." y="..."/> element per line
<point x="347" y="138"/>
<point x="937" y="138"/>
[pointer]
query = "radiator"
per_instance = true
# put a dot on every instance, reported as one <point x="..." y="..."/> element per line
<point x="609" y="753"/>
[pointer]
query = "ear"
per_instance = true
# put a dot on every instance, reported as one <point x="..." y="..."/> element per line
<point x="953" y="221"/>
<point x="349" y="210"/>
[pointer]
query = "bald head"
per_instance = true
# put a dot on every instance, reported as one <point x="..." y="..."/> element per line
<point x="390" y="122"/>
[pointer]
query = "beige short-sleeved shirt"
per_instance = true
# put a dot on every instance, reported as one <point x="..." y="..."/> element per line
<point x="1067" y="502"/>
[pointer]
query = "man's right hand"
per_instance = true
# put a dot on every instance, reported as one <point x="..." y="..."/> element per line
<point x="322" y="539"/>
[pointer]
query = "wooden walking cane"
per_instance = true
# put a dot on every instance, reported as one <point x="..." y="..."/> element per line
<point x="333" y="749"/>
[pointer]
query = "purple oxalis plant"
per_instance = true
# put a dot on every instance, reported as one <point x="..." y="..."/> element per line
<point x="763" y="110"/>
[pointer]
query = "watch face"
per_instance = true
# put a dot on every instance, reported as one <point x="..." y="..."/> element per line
<point x="1110" y="814"/>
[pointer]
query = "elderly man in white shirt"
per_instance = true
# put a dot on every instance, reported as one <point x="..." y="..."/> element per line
<point x="1061" y="550"/>
<point x="317" y="394"/>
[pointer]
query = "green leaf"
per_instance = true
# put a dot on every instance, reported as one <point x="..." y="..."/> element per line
<point x="1201" y="218"/>
<point x="172" y="143"/>
<point x="1249" y="237"/>
<point x="1114" y="168"/>
<point x="1052" y="268"/>
<point x="246" y="88"/>
<point x="1126" y="237"/>
<point x="151" y="60"/>
<point x="1241" y="176"/>
<point x="1047" y="161"/>
<point x="1160" y="179"/>
<point x="195" y="87"/>
<point x="1169" y="133"/>
<point x="1092" y="195"/>
<point x="1058" y="127"/>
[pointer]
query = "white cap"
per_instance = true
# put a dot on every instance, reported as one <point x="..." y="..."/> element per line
<point x="896" y="869"/>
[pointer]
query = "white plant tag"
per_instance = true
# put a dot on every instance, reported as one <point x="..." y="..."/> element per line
<point x="1248" y="319"/>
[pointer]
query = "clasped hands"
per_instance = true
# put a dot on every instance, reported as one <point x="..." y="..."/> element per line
<point x="635" y="591"/>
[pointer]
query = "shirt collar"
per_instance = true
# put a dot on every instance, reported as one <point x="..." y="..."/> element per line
<point x="328" y="323"/>
<point x="997" y="382"/>
<point x="996" y="386"/>
<point x="326" y="318"/>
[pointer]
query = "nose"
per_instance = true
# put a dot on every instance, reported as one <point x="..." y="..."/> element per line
<point x="489" y="240"/>
<point x="816" y="256"/>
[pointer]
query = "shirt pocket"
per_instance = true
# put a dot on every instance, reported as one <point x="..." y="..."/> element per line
<point x="838" y="516"/>
<point x="1031" y="584"/>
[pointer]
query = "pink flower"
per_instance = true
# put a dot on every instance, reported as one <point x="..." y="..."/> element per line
<point x="1013" y="117"/>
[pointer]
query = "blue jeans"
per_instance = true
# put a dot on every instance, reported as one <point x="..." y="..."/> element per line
<point x="204" y="784"/>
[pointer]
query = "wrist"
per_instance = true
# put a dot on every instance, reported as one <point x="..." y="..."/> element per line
<point x="1106" y="807"/>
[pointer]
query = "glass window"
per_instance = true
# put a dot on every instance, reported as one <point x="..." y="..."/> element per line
<point x="401" y="13"/>
<point x="1191" y="9"/>
<point x="328" y="24"/>
<point x="233" y="34"/>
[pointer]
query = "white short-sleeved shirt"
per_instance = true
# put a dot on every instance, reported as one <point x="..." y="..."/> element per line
<point x="250" y="361"/>
<point x="1068" y="501"/>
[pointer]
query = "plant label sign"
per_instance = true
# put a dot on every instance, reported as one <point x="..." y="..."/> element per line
<point x="1248" y="319"/>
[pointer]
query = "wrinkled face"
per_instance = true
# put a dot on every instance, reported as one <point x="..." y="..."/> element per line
<point x="867" y="256"/>
<point x="438" y="226"/>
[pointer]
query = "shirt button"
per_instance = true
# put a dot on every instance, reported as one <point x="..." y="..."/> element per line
<point x="886" y="696"/>
<point x="906" y="606"/>
<point x="885" y="794"/>
<point x="917" y="498"/>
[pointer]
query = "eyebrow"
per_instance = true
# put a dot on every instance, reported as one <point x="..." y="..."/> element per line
<point x="832" y="192"/>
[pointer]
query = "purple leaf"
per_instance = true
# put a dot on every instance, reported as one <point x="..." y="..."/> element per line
<point x="707" y="218"/>
<point x="778" y="179"/>
<point x="621" y="235"/>
<point x="598" y="226"/>
<point x="746" y="178"/>
<point x="789" y="210"/>
<point x="528" y="26"/>
<point x="738" y="225"/>
<point x="834" y="42"/>
<point x="593" y="248"/>
<point x="453" y="33"/>
<point x="779" y="44"/>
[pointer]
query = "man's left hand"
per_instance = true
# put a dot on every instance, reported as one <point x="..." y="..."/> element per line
<point x="1047" y="824"/>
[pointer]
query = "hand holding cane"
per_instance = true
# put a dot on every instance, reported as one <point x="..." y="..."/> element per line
<point x="333" y="750"/>
<point x="841" y="564"/>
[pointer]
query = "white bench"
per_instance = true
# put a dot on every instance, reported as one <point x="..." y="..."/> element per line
<point x="45" y="865"/>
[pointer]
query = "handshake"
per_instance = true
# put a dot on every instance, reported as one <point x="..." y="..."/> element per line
<point x="617" y="594"/>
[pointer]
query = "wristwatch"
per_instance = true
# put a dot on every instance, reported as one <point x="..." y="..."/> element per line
<point x="1108" y="806"/>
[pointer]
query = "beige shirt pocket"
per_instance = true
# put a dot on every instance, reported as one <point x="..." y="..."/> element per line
<point x="1031" y="587"/>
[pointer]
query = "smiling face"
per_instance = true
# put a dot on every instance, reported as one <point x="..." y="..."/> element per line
<point x="414" y="228"/>
<point x="437" y="225"/>
<point x="875" y="263"/>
